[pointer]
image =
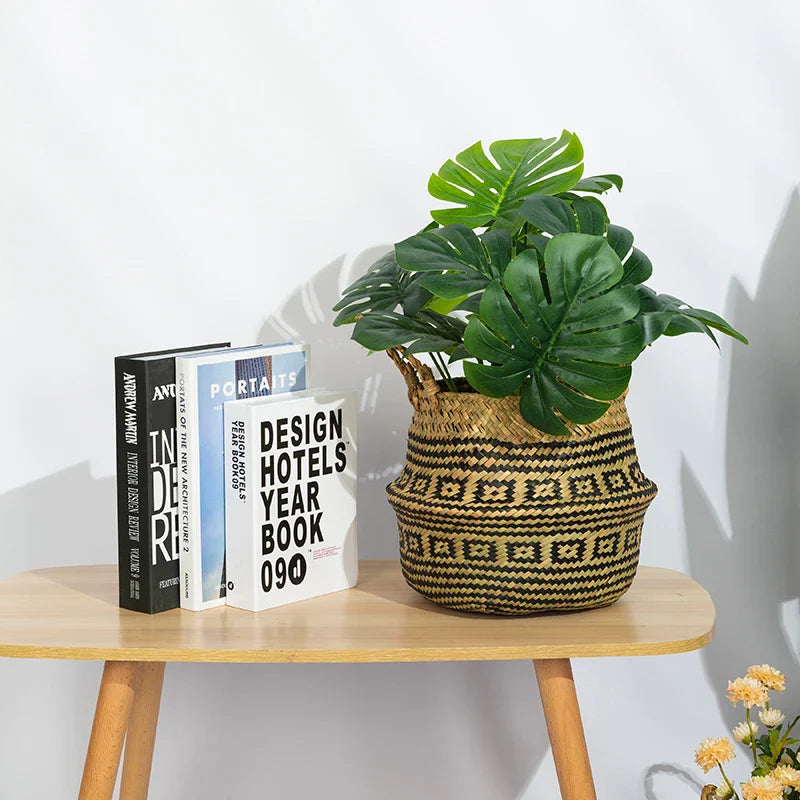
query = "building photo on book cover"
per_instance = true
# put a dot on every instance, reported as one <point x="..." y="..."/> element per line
<point x="205" y="383"/>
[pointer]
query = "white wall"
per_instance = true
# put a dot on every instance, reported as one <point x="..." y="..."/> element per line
<point x="250" y="156"/>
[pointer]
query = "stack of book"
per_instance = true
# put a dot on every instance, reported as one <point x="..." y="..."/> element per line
<point x="236" y="482"/>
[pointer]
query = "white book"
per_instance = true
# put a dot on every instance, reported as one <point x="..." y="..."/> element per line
<point x="203" y="384"/>
<point x="290" y="498"/>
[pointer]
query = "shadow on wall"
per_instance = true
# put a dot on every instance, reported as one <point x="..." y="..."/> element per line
<point x="340" y="364"/>
<point x="672" y="771"/>
<point x="68" y="517"/>
<point x="753" y="575"/>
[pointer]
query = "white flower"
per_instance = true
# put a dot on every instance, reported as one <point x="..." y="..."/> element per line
<point x="771" y="717"/>
<point x="744" y="734"/>
<point x="724" y="791"/>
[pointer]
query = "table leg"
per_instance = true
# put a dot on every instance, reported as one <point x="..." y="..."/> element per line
<point x="114" y="703"/>
<point x="565" y="728"/>
<point x="141" y="737"/>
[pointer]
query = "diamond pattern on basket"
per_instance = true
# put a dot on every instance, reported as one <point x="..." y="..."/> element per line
<point x="441" y="547"/>
<point x="498" y="491"/>
<point x="451" y="488"/>
<point x="480" y="550"/>
<point x="616" y="481"/>
<point x="606" y="546"/>
<point x="537" y="489"/>
<point x="526" y="552"/>
<point x="570" y="551"/>
<point x="583" y="486"/>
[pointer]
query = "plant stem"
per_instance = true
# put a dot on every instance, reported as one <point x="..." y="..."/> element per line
<point x="446" y="371"/>
<point x="752" y="739"/>
<point x="782" y="742"/>
<point x="734" y="796"/>
<point x="443" y="371"/>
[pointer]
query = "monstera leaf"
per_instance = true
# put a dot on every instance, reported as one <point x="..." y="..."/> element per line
<point x="554" y="215"/>
<point x="454" y="261"/>
<point x="664" y="314"/>
<point x="384" y="287"/>
<point x="636" y="266"/>
<point x="486" y="190"/>
<point x="427" y="332"/>
<point x="599" y="184"/>
<point x="568" y="213"/>
<point x="565" y="354"/>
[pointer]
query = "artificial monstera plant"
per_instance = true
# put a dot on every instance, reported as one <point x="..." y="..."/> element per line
<point x="526" y="281"/>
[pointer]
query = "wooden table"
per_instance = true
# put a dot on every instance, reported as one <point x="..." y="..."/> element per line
<point x="72" y="613"/>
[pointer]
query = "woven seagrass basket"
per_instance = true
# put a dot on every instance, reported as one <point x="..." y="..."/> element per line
<point x="499" y="518"/>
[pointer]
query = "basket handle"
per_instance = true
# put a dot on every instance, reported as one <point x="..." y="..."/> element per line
<point x="422" y="385"/>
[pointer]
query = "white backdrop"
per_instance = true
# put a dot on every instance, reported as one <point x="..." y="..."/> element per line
<point x="179" y="172"/>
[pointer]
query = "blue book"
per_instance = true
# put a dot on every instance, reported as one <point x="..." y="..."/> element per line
<point x="204" y="382"/>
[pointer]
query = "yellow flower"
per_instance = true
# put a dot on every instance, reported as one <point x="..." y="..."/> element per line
<point x="713" y="752"/>
<point x="771" y="717"/>
<point x="767" y="676"/>
<point x="745" y="732"/>
<point x="787" y="776"/>
<point x="762" y="788"/>
<point x="750" y="691"/>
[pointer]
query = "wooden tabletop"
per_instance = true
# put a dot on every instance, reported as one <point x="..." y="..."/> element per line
<point x="72" y="613"/>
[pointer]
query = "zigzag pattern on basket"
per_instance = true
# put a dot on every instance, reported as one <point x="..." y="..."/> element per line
<point x="497" y="517"/>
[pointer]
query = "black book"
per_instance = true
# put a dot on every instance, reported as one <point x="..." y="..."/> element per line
<point x="147" y="479"/>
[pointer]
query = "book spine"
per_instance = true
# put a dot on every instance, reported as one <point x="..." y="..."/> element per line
<point x="241" y="532"/>
<point x="162" y="453"/>
<point x="186" y="426"/>
<point x="133" y="500"/>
